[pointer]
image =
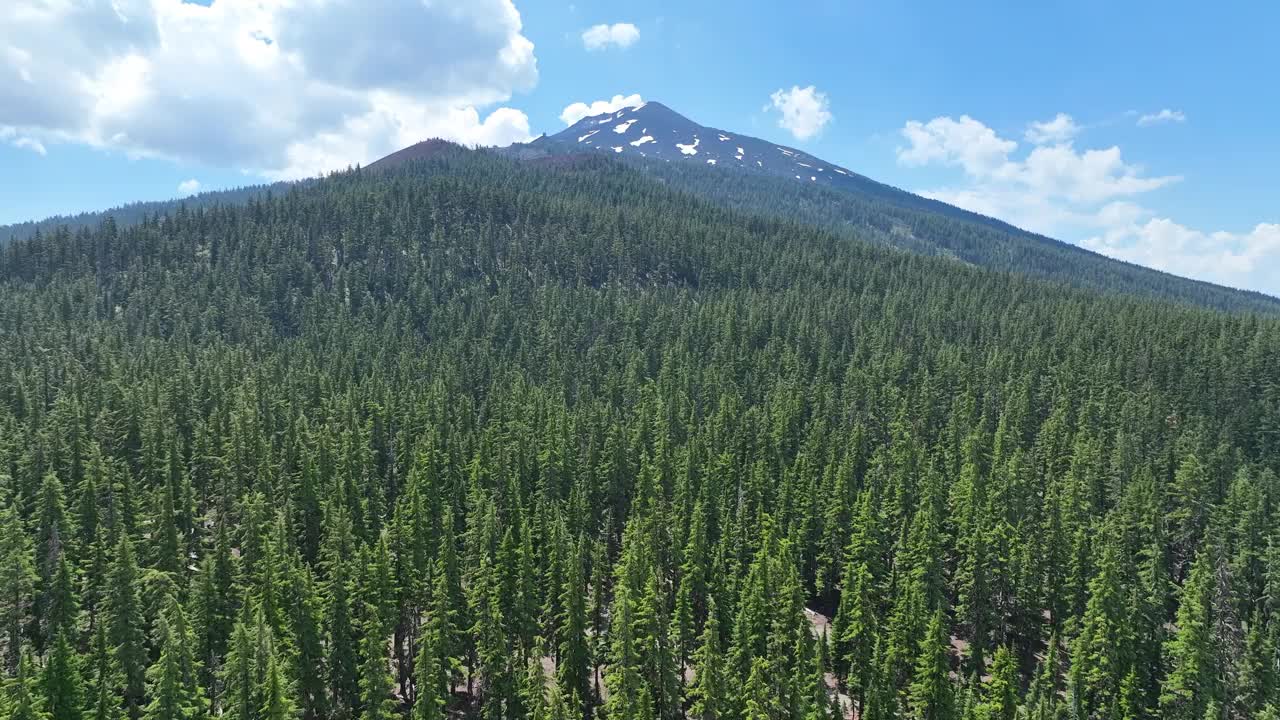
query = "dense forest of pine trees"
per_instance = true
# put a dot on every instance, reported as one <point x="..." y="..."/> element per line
<point x="498" y="440"/>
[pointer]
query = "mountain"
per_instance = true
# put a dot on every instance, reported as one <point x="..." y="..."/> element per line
<point x="768" y="180"/>
<point x="418" y="152"/>
<point x="655" y="131"/>
<point x="754" y="175"/>
<point x="508" y="416"/>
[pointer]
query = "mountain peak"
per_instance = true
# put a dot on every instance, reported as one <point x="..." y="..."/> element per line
<point x="435" y="147"/>
<point x="655" y="131"/>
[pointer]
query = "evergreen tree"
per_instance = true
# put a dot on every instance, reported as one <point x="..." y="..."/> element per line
<point x="574" y="660"/>
<point x="931" y="696"/>
<point x="431" y="701"/>
<point x="17" y="583"/>
<point x="855" y="629"/>
<point x="376" y="682"/>
<point x="1191" y="686"/>
<point x="105" y="700"/>
<point x="24" y="697"/>
<point x="171" y="697"/>
<point x="63" y="683"/>
<point x="240" y="676"/>
<point x="707" y="693"/>
<point x="1000" y="694"/>
<point x="1101" y="657"/>
<point x="125" y="628"/>
<point x="277" y="698"/>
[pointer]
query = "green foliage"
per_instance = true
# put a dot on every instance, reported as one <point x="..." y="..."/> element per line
<point x="388" y="443"/>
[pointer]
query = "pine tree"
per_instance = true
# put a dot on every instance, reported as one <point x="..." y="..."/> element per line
<point x="431" y="700"/>
<point x="931" y="696"/>
<point x="707" y="692"/>
<point x="52" y="529"/>
<point x="125" y="628"/>
<point x="817" y="702"/>
<point x="376" y="682"/>
<point x="63" y="684"/>
<point x="449" y="609"/>
<point x="761" y="700"/>
<point x="855" y="632"/>
<point x="1000" y="695"/>
<point x="574" y="665"/>
<point x="24" y="697"/>
<point x="1042" y="698"/>
<point x="239" y="676"/>
<point x="308" y="656"/>
<point x="168" y="547"/>
<point x="277" y="698"/>
<point x="170" y="698"/>
<point x="1101" y="655"/>
<point x="344" y="675"/>
<point x="563" y="707"/>
<point x="105" y="700"/>
<point x="61" y="608"/>
<point x="533" y="691"/>
<point x="214" y="608"/>
<point x="1256" y="673"/>
<point x="1191" y="685"/>
<point x="17" y="584"/>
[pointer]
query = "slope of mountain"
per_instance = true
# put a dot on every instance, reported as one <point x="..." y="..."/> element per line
<point x="751" y="174"/>
<point x="773" y="181"/>
<point x="654" y="130"/>
<point x="134" y="213"/>
<point x="505" y="417"/>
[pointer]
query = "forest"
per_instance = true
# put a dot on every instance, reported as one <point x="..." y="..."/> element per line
<point x="481" y="438"/>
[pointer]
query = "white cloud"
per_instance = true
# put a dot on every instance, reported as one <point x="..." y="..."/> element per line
<point x="1248" y="260"/>
<point x="576" y="111"/>
<point x="188" y="187"/>
<point x="1088" y="195"/>
<point x="395" y="122"/>
<point x="271" y="86"/>
<point x="599" y="37"/>
<point x="805" y="111"/>
<point x="1058" y="130"/>
<point x="1054" y="187"/>
<point x="964" y="142"/>
<point x="11" y="136"/>
<point x="1164" y="116"/>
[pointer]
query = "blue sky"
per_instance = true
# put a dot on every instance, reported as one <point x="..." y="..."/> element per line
<point x="935" y="97"/>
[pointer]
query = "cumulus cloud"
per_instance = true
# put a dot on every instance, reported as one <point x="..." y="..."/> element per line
<point x="1248" y="260"/>
<point x="188" y="187"/>
<point x="964" y="142"/>
<point x="1089" y="195"/>
<point x="576" y="111"/>
<point x="600" y="37"/>
<point x="1053" y="186"/>
<point x="1164" y="116"/>
<point x="1058" y="130"/>
<point x="804" y="111"/>
<point x="271" y="86"/>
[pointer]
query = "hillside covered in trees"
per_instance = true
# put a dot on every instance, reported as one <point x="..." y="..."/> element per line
<point x="497" y="439"/>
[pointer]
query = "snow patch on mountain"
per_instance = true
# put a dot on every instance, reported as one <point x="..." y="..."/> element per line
<point x="689" y="149"/>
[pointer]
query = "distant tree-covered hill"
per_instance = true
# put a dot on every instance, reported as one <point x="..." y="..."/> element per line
<point x="134" y="213"/>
